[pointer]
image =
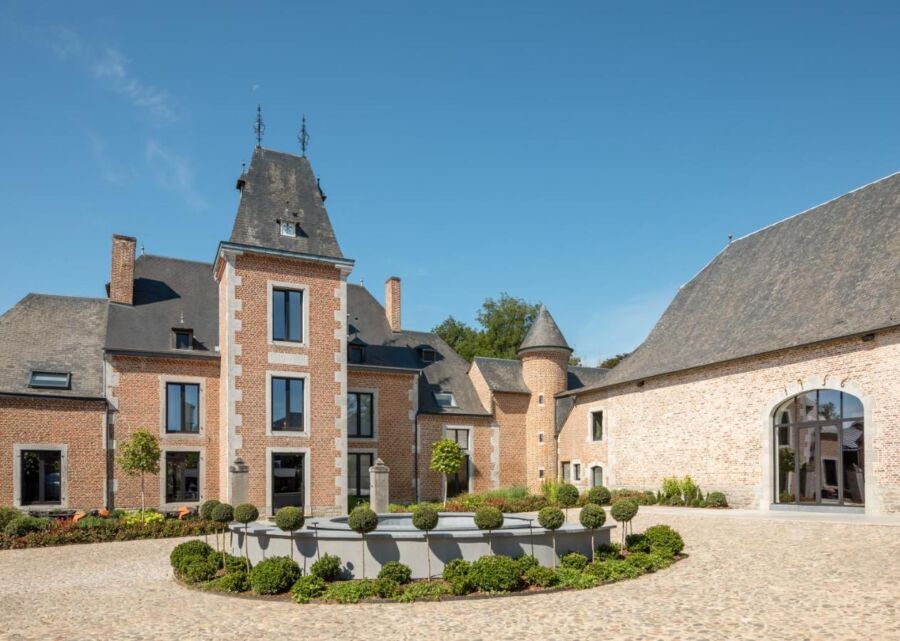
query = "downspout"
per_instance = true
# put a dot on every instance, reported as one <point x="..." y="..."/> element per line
<point x="416" y="457"/>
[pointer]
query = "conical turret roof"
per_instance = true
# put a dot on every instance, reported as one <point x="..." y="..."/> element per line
<point x="544" y="334"/>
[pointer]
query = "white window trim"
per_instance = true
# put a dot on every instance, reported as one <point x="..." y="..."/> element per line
<point x="360" y="450"/>
<point x="164" y="380"/>
<point x="452" y="396"/>
<point x="162" y="475"/>
<point x="590" y="469"/>
<point x="591" y="410"/>
<point x="562" y="477"/>
<point x="63" y="448"/>
<point x="363" y="439"/>
<point x="307" y="464"/>
<point x="270" y="374"/>
<point x="580" y="479"/>
<point x="281" y="228"/>
<point x="304" y="312"/>
<point x="468" y="450"/>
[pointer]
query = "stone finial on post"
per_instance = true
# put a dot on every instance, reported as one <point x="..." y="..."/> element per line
<point x="240" y="481"/>
<point x="378" y="487"/>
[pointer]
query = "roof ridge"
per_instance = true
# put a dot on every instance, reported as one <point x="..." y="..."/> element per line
<point x="183" y="260"/>
<point x="65" y="296"/>
<point x="495" y="358"/>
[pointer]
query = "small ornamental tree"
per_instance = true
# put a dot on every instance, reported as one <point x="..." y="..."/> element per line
<point x="599" y="495"/>
<point x="567" y="496"/>
<point x="205" y="513"/>
<point x="552" y="518"/>
<point x="592" y="516"/>
<point x="222" y="514"/>
<point x="246" y="513"/>
<point x="425" y="518"/>
<point x="138" y="456"/>
<point x="363" y="520"/>
<point x="623" y="511"/>
<point x="289" y="519"/>
<point x="489" y="518"/>
<point x="446" y="458"/>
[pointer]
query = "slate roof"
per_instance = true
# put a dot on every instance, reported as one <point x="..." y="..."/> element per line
<point x="384" y="348"/>
<point x="53" y="334"/>
<point x="167" y="291"/>
<point x="505" y="375"/>
<point x="828" y="272"/>
<point x="544" y="332"/>
<point x="279" y="186"/>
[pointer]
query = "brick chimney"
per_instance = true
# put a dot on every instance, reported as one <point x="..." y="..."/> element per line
<point x="392" y="302"/>
<point x="121" y="278"/>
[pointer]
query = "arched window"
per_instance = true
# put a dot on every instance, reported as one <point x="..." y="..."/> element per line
<point x="819" y="449"/>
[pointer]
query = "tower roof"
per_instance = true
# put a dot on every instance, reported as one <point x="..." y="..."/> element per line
<point x="544" y="333"/>
<point x="282" y="187"/>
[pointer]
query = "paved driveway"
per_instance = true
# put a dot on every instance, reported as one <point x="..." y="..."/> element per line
<point x="746" y="578"/>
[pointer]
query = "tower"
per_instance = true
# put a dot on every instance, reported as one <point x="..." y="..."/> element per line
<point x="545" y="360"/>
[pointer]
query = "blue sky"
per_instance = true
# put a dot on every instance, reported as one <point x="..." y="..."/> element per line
<point x="593" y="156"/>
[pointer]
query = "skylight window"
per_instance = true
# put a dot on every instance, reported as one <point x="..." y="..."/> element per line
<point x="445" y="399"/>
<point x="288" y="229"/>
<point x="51" y="380"/>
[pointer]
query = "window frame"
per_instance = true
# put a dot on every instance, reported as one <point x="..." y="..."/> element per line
<point x="67" y="385"/>
<point x="18" y="450"/>
<point x="359" y="349"/>
<point x="270" y="453"/>
<point x="271" y="377"/>
<point x="176" y="332"/>
<point x="565" y="466"/>
<point x="164" y="475"/>
<point x="273" y="286"/>
<point x="373" y="394"/>
<point x="359" y="453"/>
<point x="291" y="224"/>
<point x="451" y="405"/>
<point x="597" y="466"/>
<point x="182" y="384"/>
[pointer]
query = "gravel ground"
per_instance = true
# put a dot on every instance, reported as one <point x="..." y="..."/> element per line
<point x="746" y="578"/>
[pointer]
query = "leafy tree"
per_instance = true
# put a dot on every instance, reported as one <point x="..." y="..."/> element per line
<point x="363" y="520"/>
<point x="425" y="518"/>
<point x="503" y="324"/>
<point x="574" y="360"/>
<point x="289" y="519"/>
<point x="612" y="361"/>
<point x="446" y="458"/>
<point x="462" y="338"/>
<point x="138" y="456"/>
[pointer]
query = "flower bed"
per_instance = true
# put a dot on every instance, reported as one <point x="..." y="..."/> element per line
<point x="198" y="565"/>
<point x="18" y="530"/>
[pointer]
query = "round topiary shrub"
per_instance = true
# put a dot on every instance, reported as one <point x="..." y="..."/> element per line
<point x="246" y="513"/>
<point x="541" y="577"/>
<point x="22" y="525"/>
<point x="662" y="537"/>
<point x="623" y="511"/>
<point x="716" y="499"/>
<point x="232" y="563"/>
<point x="289" y="519"/>
<point x="551" y="517"/>
<point x="456" y="573"/>
<point x="189" y="548"/>
<point x="574" y="560"/>
<point x="222" y="513"/>
<point x="307" y="588"/>
<point x="327" y="568"/>
<point x="495" y="574"/>
<point x="386" y="588"/>
<point x="274" y="575"/>
<point x="592" y="516"/>
<point x="206" y="509"/>
<point x="566" y="495"/>
<point x="395" y="571"/>
<point x="362" y="520"/>
<point x="488" y="517"/>
<point x="425" y="517"/>
<point x="598" y="495"/>
<point x="233" y="582"/>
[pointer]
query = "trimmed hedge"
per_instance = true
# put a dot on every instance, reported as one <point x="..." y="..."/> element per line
<point x="22" y="525"/>
<point x="665" y="538"/>
<point x="327" y="568"/>
<point x="395" y="571"/>
<point x="274" y="575"/>
<point x="189" y="549"/>
<point x="307" y="588"/>
<point x="67" y="533"/>
<point x="495" y="574"/>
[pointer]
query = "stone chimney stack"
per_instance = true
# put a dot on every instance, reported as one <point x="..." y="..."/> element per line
<point x="121" y="278"/>
<point x="392" y="302"/>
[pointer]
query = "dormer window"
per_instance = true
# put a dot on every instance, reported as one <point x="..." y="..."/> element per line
<point x="288" y="228"/>
<point x="184" y="338"/>
<point x="428" y="355"/>
<point x="51" y="380"/>
<point x="445" y="399"/>
<point x="357" y="354"/>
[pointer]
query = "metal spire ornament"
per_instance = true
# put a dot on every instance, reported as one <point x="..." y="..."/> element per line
<point x="259" y="127"/>
<point x="303" y="136"/>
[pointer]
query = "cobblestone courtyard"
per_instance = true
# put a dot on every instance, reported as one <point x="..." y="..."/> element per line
<point x="746" y="578"/>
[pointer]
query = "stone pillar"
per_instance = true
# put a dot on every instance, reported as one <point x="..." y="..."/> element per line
<point x="240" y="481"/>
<point x="378" y="487"/>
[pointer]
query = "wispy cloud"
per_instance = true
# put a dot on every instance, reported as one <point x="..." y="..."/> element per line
<point x="620" y="327"/>
<point x="111" y="171"/>
<point x="109" y="66"/>
<point x="173" y="173"/>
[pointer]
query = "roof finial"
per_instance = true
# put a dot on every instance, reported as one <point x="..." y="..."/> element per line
<point x="142" y="248"/>
<point x="730" y="237"/>
<point x="182" y="317"/>
<point x="303" y="136"/>
<point x="259" y="127"/>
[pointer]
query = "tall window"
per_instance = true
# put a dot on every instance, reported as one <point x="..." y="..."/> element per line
<point x="576" y="472"/>
<point x="596" y="476"/>
<point x="359" y="415"/>
<point x="287" y="404"/>
<point x="182" y="407"/>
<point x="182" y="476"/>
<point x="41" y="477"/>
<point x="459" y="483"/>
<point x="819" y="449"/>
<point x="287" y="315"/>
<point x="287" y="480"/>
<point x="358" y="470"/>
<point x="597" y="426"/>
<point x="566" y="471"/>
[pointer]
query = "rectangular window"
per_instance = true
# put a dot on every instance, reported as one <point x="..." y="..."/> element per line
<point x="41" y="477"/>
<point x="566" y="471"/>
<point x="460" y="436"/>
<point x="288" y="229"/>
<point x="358" y="470"/>
<point x="597" y="426"/>
<point x="576" y="472"/>
<point x="183" y="407"/>
<point x="287" y="315"/>
<point x="445" y="399"/>
<point x="360" y="412"/>
<point x="183" y="339"/>
<point x="51" y="380"/>
<point x="287" y="404"/>
<point x="596" y="476"/>
<point x="182" y="477"/>
<point x="357" y="354"/>
<point x="287" y="480"/>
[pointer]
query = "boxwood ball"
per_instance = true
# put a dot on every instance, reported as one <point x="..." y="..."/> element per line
<point x="551" y="517"/>
<point x="488" y="517"/>
<point x="362" y="520"/>
<point x="624" y="510"/>
<point x="592" y="516"/>
<point x="245" y="513"/>
<point x="425" y="517"/>
<point x="289" y="518"/>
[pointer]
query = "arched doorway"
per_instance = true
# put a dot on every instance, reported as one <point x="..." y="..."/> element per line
<point x="819" y="449"/>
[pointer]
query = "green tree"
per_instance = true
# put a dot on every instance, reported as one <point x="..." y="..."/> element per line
<point x="138" y="456"/>
<point x="612" y="361"/>
<point x="446" y="458"/>
<point x="505" y="320"/>
<point x="462" y="338"/>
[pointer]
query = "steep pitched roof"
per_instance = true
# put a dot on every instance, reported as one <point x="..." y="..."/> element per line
<point x="828" y="272"/>
<point x="384" y="348"/>
<point x="168" y="293"/>
<point x="53" y="334"/>
<point x="585" y="376"/>
<point x="505" y="375"/>
<point x="544" y="332"/>
<point x="280" y="186"/>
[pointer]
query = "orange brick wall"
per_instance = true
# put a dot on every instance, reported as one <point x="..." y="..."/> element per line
<point x="77" y="424"/>
<point x="545" y="372"/>
<point x="482" y="435"/>
<point x="509" y="412"/>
